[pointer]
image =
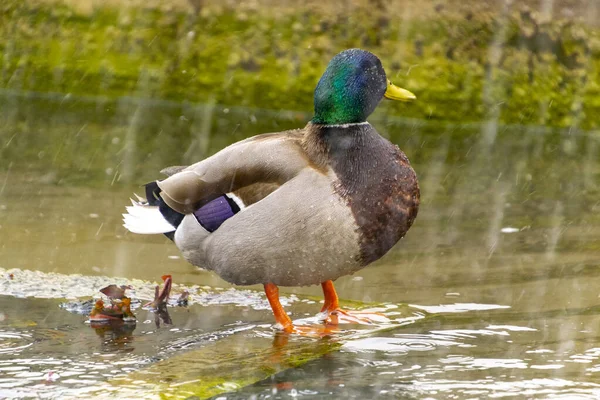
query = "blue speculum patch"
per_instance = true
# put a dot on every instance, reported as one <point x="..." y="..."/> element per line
<point x="214" y="213"/>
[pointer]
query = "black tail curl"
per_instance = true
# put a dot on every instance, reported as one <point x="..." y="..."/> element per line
<point x="154" y="199"/>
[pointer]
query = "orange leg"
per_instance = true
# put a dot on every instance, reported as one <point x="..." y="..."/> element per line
<point x="336" y="315"/>
<point x="331" y="298"/>
<point x="281" y="317"/>
<point x="285" y="321"/>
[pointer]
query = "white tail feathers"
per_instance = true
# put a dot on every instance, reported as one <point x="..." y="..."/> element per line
<point x="145" y="219"/>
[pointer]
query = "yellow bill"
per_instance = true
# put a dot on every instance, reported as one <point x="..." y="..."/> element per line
<point x="394" y="92"/>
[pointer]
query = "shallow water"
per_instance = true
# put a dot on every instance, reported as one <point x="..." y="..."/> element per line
<point x="496" y="281"/>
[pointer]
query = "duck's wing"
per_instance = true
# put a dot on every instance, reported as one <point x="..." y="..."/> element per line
<point x="173" y="169"/>
<point x="255" y="192"/>
<point x="248" y="194"/>
<point x="266" y="161"/>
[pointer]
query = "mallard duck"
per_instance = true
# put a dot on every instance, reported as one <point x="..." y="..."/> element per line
<point x="299" y="207"/>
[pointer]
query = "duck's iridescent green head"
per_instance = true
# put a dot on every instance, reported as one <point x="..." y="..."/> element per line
<point x="351" y="87"/>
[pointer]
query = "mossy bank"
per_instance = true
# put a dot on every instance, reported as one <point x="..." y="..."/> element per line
<point x="466" y="62"/>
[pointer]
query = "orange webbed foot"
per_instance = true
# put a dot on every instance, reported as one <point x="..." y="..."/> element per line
<point x="313" y="331"/>
<point x="340" y="316"/>
<point x="284" y="322"/>
<point x="331" y="312"/>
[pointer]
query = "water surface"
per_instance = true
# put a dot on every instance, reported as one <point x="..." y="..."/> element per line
<point x="496" y="281"/>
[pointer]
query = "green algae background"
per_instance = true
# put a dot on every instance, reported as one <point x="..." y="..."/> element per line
<point x="466" y="61"/>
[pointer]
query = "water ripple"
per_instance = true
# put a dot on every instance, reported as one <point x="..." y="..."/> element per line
<point x="494" y="388"/>
<point x="399" y="344"/>
<point x="13" y="342"/>
<point x="458" y="307"/>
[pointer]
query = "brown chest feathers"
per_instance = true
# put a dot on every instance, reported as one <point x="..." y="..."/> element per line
<point x="374" y="177"/>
